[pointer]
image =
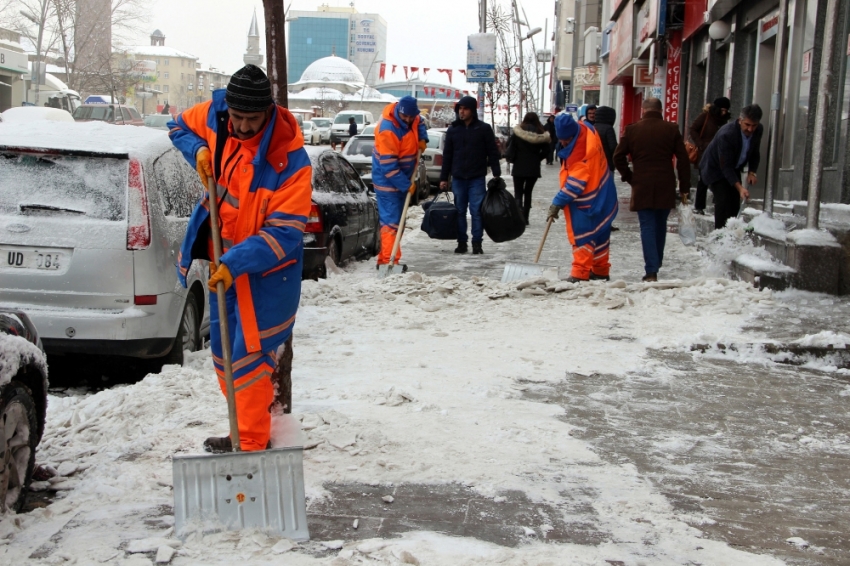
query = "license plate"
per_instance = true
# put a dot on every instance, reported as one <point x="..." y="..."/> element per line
<point x="32" y="259"/>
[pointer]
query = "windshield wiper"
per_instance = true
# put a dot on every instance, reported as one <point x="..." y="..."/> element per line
<point x="50" y="208"/>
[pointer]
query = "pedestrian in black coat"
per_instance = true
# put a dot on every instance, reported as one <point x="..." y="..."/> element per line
<point x="605" y="118"/>
<point x="527" y="147"/>
<point x="735" y="145"/>
<point x="550" y="129"/>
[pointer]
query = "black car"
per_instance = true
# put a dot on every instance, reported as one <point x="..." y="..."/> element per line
<point x="343" y="221"/>
<point x="23" y="405"/>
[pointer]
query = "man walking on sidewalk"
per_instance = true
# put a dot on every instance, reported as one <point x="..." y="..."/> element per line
<point x="399" y="138"/>
<point x="735" y="145"/>
<point x="470" y="146"/>
<point x="254" y="151"/>
<point x="652" y="143"/>
<point x="588" y="197"/>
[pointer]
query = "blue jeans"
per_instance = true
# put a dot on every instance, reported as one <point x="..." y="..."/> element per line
<point x="469" y="193"/>
<point x="653" y="235"/>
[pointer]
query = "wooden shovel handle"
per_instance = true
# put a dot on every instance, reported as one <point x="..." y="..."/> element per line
<point x="543" y="239"/>
<point x="222" y="319"/>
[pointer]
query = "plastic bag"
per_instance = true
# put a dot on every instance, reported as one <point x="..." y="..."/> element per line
<point x="501" y="215"/>
<point x="687" y="224"/>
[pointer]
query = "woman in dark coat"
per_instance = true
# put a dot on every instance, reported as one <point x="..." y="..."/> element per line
<point x="702" y="131"/>
<point x="528" y="146"/>
<point x="605" y="118"/>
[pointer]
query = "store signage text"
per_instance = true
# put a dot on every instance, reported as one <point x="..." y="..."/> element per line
<point x="674" y="75"/>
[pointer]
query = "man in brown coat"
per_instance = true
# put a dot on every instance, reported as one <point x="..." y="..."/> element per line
<point x="652" y="144"/>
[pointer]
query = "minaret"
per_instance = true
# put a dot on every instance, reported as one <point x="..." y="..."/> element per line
<point x="252" y="54"/>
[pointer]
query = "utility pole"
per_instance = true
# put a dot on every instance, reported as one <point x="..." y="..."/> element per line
<point x="576" y="10"/>
<point x="543" y="63"/>
<point x="275" y="19"/>
<point x="482" y="28"/>
<point x="775" y="101"/>
<point x="824" y="93"/>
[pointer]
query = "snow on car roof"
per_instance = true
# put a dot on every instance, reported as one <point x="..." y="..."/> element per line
<point x="95" y="137"/>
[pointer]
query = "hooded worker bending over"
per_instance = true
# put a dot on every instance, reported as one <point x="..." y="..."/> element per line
<point x="254" y="150"/>
<point x="588" y="197"/>
<point x="399" y="138"/>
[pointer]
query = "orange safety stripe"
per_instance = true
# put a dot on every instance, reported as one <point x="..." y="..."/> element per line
<point x="273" y="244"/>
<point x="277" y="329"/>
<point x="279" y="267"/>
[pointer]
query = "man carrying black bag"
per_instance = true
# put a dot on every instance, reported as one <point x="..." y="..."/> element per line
<point x="470" y="145"/>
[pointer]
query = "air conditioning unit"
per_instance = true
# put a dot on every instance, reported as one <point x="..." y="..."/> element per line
<point x="592" y="43"/>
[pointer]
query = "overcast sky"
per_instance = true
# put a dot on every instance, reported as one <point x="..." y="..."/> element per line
<point x="430" y="33"/>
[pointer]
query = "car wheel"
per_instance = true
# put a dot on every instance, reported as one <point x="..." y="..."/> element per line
<point x="376" y="244"/>
<point x="188" y="334"/>
<point x="18" y="440"/>
<point x="333" y="255"/>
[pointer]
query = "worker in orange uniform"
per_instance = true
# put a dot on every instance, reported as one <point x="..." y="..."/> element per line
<point x="254" y="151"/>
<point x="588" y="197"/>
<point x="399" y="138"/>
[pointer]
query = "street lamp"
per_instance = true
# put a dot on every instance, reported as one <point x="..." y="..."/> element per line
<point x="529" y="35"/>
<point x="571" y="29"/>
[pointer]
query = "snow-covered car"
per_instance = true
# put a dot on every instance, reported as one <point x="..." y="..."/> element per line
<point x="358" y="152"/>
<point x="23" y="405"/>
<point x="324" y="127"/>
<point x="35" y="114"/>
<point x="343" y="222"/>
<point x="91" y="222"/>
<point x="311" y="133"/>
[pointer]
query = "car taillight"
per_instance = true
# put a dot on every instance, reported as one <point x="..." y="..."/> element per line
<point x="314" y="221"/>
<point x="438" y="159"/>
<point x="144" y="300"/>
<point x="139" y="224"/>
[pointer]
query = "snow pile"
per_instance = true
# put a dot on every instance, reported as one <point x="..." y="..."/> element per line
<point x="724" y="245"/>
<point x="17" y="352"/>
<point x="411" y="379"/>
<point x="761" y="264"/>
<point x="825" y="339"/>
<point x="812" y="238"/>
<point x="764" y="225"/>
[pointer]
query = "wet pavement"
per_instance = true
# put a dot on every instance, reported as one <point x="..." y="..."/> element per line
<point x="758" y="451"/>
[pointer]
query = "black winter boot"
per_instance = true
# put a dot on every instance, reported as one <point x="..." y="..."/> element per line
<point x="594" y="277"/>
<point x="461" y="248"/>
<point x="218" y="444"/>
<point x="476" y="248"/>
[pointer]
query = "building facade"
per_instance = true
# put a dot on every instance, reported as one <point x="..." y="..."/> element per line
<point x="13" y="67"/>
<point x="343" y="32"/>
<point x="176" y="76"/>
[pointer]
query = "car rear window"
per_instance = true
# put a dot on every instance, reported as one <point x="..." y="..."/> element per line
<point x="94" y="113"/>
<point x="343" y="118"/>
<point x="322" y="123"/>
<point x="434" y="140"/>
<point x="157" y="120"/>
<point x="33" y="183"/>
<point x="360" y="146"/>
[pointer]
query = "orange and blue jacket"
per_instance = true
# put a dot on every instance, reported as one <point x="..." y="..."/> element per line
<point x="588" y="194"/>
<point x="396" y="147"/>
<point x="265" y="195"/>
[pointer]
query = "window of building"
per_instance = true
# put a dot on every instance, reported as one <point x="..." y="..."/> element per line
<point x="182" y="63"/>
<point x="165" y="61"/>
<point x="166" y="74"/>
<point x="165" y="88"/>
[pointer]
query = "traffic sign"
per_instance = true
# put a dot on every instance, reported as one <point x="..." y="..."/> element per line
<point x="571" y="108"/>
<point x="481" y="58"/>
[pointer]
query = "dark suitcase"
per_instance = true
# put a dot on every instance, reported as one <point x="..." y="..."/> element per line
<point x="440" y="222"/>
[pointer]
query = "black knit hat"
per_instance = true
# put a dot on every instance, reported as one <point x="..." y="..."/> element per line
<point x="249" y="90"/>
<point x="722" y="102"/>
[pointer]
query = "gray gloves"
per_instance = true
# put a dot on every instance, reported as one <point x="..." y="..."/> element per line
<point x="553" y="212"/>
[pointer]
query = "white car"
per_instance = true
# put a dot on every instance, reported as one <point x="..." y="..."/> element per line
<point x="21" y="114"/>
<point x="91" y="221"/>
<point x="324" y="127"/>
<point x="312" y="136"/>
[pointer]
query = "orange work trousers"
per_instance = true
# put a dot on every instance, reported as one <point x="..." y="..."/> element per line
<point x="256" y="393"/>
<point x="387" y="240"/>
<point x="592" y="257"/>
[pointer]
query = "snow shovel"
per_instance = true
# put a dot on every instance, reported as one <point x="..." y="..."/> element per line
<point x="392" y="268"/>
<point x="518" y="271"/>
<point x="240" y="490"/>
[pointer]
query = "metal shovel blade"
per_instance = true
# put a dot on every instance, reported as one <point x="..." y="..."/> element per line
<point x="519" y="271"/>
<point x="240" y="490"/>
<point x="385" y="270"/>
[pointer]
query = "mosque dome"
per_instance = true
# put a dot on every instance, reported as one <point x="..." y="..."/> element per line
<point x="332" y="69"/>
